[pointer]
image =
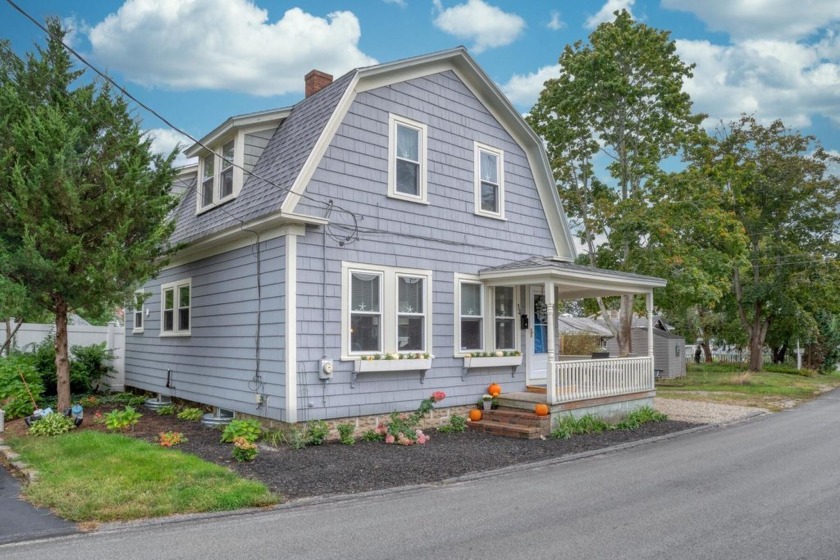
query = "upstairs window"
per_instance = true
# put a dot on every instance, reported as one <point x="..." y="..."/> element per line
<point x="407" y="159"/>
<point x="175" y="308"/>
<point x="489" y="181"/>
<point x="217" y="176"/>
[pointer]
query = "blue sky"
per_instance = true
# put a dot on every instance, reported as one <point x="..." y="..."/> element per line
<point x="201" y="61"/>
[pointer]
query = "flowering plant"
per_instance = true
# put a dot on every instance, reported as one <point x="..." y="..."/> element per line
<point x="487" y="397"/>
<point x="244" y="450"/>
<point x="396" y="356"/>
<point x="495" y="354"/>
<point x="402" y="428"/>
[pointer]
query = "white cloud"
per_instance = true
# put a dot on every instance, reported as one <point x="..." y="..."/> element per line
<point x="164" y="140"/>
<point x="524" y="90"/>
<point x="606" y="13"/>
<point x="75" y="28"/>
<point x="224" y="44"/>
<point x="769" y="19"/>
<point x="771" y="79"/>
<point x="555" y="24"/>
<point x="400" y="3"/>
<point x="487" y="26"/>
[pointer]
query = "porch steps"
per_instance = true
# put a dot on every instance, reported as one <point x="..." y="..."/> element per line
<point x="511" y="422"/>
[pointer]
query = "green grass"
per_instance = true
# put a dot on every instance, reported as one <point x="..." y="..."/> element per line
<point x="568" y="426"/>
<point x="776" y="388"/>
<point x="93" y="476"/>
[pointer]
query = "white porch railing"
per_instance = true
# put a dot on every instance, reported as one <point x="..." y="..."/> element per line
<point x="591" y="379"/>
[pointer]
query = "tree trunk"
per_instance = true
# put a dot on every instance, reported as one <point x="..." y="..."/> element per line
<point x="62" y="361"/>
<point x="707" y="350"/>
<point x="625" y="322"/>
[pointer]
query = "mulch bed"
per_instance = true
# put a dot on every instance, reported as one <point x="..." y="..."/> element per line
<point x="333" y="468"/>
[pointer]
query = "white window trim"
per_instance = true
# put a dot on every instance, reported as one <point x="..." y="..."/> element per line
<point x="388" y="307"/>
<point x="393" y="121"/>
<point x="175" y="319"/>
<point x="238" y="140"/>
<point x="142" y="311"/>
<point x="488" y="331"/>
<point x="500" y="173"/>
<point x="468" y="279"/>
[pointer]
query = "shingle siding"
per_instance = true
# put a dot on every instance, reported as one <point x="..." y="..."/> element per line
<point x="444" y="236"/>
<point x="215" y="364"/>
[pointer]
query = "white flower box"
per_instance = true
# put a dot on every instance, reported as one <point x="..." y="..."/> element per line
<point x="422" y="364"/>
<point x="504" y="361"/>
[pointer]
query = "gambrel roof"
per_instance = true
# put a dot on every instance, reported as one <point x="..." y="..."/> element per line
<point x="271" y="194"/>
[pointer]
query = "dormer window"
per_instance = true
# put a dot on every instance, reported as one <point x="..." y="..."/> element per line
<point x="217" y="176"/>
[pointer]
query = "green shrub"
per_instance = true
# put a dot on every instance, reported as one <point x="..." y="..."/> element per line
<point x="166" y="410"/>
<point x="88" y="365"/>
<point x="14" y="398"/>
<point x="122" y="419"/>
<point x="317" y="432"/>
<point x="248" y="429"/>
<point x="345" y="433"/>
<point x="640" y="416"/>
<point x="127" y="399"/>
<point x="373" y="435"/>
<point x="193" y="414"/>
<point x="456" y="425"/>
<point x="52" y="425"/>
<point x="569" y="426"/>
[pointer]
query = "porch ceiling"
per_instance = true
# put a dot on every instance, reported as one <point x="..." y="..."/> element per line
<point x="571" y="280"/>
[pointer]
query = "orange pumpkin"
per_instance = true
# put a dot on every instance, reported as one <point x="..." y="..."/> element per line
<point x="494" y="390"/>
<point x="541" y="409"/>
<point x="475" y="415"/>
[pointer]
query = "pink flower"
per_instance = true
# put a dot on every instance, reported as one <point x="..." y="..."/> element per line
<point x="438" y="396"/>
<point x="389" y="439"/>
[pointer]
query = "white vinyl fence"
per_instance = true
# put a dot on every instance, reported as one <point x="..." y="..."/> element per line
<point x="79" y="335"/>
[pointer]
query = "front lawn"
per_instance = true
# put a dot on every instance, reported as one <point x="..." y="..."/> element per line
<point x="777" y="388"/>
<point x="94" y="476"/>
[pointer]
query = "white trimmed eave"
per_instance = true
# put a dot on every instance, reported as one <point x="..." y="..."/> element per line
<point x="574" y="284"/>
<point x="487" y="92"/>
<point x="238" y="236"/>
<point x="235" y="123"/>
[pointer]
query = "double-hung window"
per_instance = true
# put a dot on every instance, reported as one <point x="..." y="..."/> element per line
<point x="365" y="311"/>
<point x="217" y="176"/>
<point x="505" y="319"/>
<point x="139" y="298"/>
<point x="489" y="181"/>
<point x="385" y="310"/>
<point x="407" y="159"/>
<point x="471" y="324"/>
<point x="175" y="308"/>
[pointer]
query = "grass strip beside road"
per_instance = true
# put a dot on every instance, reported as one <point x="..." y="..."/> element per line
<point x="99" y="477"/>
<point x="776" y="388"/>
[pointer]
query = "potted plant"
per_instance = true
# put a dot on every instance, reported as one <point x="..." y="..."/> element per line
<point x="487" y="401"/>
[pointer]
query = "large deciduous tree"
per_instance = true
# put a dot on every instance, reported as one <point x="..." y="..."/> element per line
<point x="617" y="105"/>
<point x="777" y="184"/>
<point x="84" y="203"/>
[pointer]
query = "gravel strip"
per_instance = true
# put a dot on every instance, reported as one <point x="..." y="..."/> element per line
<point x="699" y="412"/>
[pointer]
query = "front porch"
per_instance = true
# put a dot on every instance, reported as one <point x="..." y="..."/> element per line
<point x="607" y="387"/>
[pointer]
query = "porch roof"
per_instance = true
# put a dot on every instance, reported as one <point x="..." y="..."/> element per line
<point x="570" y="280"/>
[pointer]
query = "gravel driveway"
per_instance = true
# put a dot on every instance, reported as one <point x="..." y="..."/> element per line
<point x="699" y="412"/>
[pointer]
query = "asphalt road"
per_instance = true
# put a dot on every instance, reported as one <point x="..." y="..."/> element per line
<point x="768" y="488"/>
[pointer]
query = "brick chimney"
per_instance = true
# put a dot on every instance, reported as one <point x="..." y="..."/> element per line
<point x="316" y="81"/>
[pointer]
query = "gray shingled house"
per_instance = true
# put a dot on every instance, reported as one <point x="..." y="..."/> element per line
<point x="395" y="233"/>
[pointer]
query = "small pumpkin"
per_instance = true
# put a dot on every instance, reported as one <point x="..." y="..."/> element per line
<point x="475" y="415"/>
<point x="541" y="409"/>
<point x="494" y="390"/>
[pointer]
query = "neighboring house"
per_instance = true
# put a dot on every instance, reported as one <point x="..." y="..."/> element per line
<point x="582" y="326"/>
<point x="668" y="348"/>
<point x="403" y="209"/>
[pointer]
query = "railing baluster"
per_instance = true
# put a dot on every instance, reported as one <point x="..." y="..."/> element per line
<point x="588" y="379"/>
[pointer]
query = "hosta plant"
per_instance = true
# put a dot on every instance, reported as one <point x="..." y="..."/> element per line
<point x="122" y="419"/>
<point x="52" y="425"/>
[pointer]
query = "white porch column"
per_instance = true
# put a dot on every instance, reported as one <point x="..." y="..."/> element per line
<point x="649" y="305"/>
<point x="551" y="374"/>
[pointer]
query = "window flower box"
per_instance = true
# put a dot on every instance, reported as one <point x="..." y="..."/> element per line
<point x="421" y="362"/>
<point x="504" y="361"/>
